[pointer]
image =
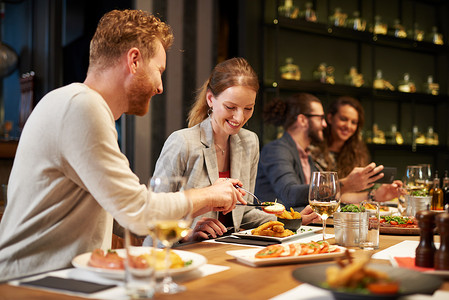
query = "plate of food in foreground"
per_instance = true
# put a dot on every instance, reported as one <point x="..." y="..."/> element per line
<point x="111" y="263"/>
<point x="288" y="253"/>
<point x="275" y="231"/>
<point x="359" y="279"/>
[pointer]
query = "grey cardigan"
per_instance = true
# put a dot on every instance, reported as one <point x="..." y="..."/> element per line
<point x="190" y="152"/>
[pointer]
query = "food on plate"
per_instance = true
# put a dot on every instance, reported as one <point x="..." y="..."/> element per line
<point x="354" y="275"/>
<point x="273" y="208"/>
<point x="112" y="260"/>
<point x="384" y="208"/>
<point x="398" y="221"/>
<point x="296" y="249"/>
<point x="272" y="228"/>
<point x="352" y="208"/>
<point x="108" y="260"/>
<point x="289" y="214"/>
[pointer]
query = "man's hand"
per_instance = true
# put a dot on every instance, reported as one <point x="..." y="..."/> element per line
<point x="309" y="216"/>
<point x="361" y="178"/>
<point x="221" y="196"/>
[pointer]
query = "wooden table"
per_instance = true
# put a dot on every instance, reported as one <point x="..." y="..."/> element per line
<point x="240" y="281"/>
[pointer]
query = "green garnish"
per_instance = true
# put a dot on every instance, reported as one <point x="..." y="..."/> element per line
<point x="188" y="263"/>
<point x="352" y="208"/>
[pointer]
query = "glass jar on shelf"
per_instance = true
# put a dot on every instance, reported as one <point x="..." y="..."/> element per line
<point x="356" y="22"/>
<point x="417" y="33"/>
<point x="406" y="85"/>
<point x="338" y="18"/>
<point x="398" y="30"/>
<point x="435" y="37"/>
<point x="380" y="83"/>
<point x="431" y="137"/>
<point x="379" y="27"/>
<point x="288" y="10"/>
<point x="354" y="78"/>
<point x="290" y="71"/>
<point x="324" y="73"/>
<point x="431" y="87"/>
<point x="309" y="14"/>
<point x="378" y="135"/>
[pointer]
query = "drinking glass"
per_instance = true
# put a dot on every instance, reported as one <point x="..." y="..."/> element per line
<point x="324" y="195"/>
<point x="169" y="230"/>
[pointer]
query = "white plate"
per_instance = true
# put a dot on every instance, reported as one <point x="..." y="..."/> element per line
<point x="302" y="231"/>
<point x="81" y="262"/>
<point x="247" y="257"/>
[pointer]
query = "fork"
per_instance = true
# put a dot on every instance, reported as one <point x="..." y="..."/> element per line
<point x="254" y="196"/>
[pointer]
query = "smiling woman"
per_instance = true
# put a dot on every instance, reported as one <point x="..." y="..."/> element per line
<point x="343" y="148"/>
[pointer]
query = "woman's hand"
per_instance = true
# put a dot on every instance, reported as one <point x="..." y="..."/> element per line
<point x="388" y="192"/>
<point x="309" y="216"/>
<point x="206" y="227"/>
<point x="361" y="178"/>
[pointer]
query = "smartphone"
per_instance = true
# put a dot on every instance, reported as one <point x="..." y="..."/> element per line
<point x="389" y="175"/>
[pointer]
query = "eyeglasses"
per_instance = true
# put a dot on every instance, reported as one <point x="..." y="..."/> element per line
<point x="314" y="115"/>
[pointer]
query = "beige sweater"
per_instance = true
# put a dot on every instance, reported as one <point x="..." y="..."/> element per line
<point x="68" y="180"/>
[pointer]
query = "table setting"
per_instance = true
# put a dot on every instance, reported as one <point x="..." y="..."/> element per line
<point x="272" y="267"/>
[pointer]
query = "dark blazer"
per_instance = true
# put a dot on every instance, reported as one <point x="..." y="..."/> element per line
<point x="280" y="174"/>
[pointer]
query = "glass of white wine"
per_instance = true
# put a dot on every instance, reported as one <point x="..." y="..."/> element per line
<point x="169" y="230"/>
<point x="324" y="195"/>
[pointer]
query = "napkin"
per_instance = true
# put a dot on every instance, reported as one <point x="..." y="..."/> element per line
<point x="235" y="240"/>
<point x="409" y="263"/>
<point x="68" y="284"/>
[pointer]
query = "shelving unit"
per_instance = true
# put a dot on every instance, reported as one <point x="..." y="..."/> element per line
<point x="310" y="43"/>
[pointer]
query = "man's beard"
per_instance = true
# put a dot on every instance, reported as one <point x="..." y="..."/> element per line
<point x="139" y="94"/>
<point x="314" y="134"/>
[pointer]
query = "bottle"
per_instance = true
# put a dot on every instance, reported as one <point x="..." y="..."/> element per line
<point x="406" y="85"/>
<point x="437" y="194"/>
<point x="310" y="14"/>
<point x="431" y="87"/>
<point x="437" y="38"/>
<point x="288" y="10"/>
<point x="445" y="189"/>
<point x="441" y="256"/>
<point x="425" y="252"/>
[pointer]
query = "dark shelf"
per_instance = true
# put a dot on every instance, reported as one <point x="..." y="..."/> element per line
<point x="359" y="36"/>
<point x="313" y="86"/>
<point x="408" y="148"/>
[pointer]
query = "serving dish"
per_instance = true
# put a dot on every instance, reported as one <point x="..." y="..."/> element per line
<point x="302" y="231"/>
<point x="247" y="257"/>
<point x="410" y="282"/>
<point x="81" y="262"/>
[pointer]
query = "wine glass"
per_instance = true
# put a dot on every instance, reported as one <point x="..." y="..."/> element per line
<point x="324" y="195"/>
<point x="170" y="229"/>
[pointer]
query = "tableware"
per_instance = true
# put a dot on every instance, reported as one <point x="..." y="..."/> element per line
<point x="169" y="230"/>
<point x="247" y="257"/>
<point x="291" y="224"/>
<point x="369" y="227"/>
<point x="347" y="227"/>
<point x="304" y="230"/>
<point x="411" y="282"/>
<point x="399" y="230"/>
<point x="324" y="195"/>
<point x="81" y="262"/>
<point x="140" y="277"/>
<point x="254" y="196"/>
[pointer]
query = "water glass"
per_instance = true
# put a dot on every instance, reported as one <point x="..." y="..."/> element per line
<point x="140" y="274"/>
<point x="370" y="226"/>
